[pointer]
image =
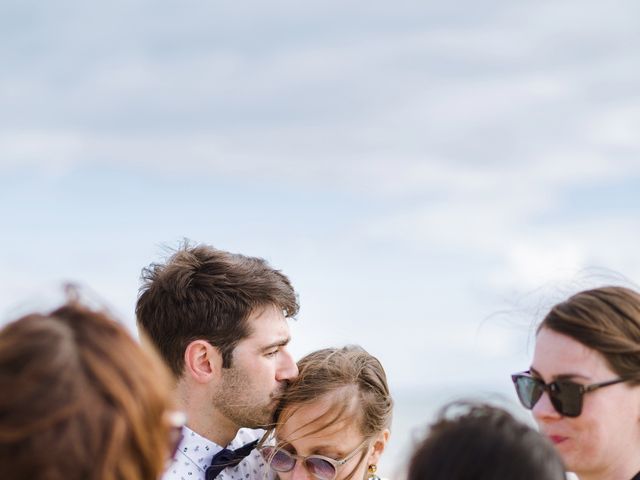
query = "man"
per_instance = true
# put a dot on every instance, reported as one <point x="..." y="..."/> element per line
<point x="220" y="322"/>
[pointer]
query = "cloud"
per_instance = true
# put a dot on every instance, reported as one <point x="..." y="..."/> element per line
<point x="412" y="165"/>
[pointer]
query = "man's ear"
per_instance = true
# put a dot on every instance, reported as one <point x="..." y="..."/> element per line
<point x="202" y="361"/>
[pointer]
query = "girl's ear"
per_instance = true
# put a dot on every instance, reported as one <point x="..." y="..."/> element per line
<point x="379" y="445"/>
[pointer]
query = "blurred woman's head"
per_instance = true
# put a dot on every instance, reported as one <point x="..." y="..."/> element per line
<point x="584" y="382"/>
<point x="338" y="410"/>
<point x="80" y="400"/>
<point x="483" y="442"/>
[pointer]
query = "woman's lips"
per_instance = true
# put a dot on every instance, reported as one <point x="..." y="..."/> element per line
<point x="556" y="439"/>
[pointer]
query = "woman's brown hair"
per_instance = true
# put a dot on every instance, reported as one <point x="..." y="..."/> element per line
<point x="80" y="400"/>
<point x="605" y="319"/>
<point x="355" y="378"/>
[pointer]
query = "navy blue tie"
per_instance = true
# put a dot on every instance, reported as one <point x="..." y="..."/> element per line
<point x="228" y="458"/>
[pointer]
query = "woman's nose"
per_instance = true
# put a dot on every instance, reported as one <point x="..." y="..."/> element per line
<point x="299" y="472"/>
<point x="543" y="409"/>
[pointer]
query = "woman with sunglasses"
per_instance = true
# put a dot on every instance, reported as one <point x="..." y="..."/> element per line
<point x="333" y="421"/>
<point x="81" y="401"/>
<point x="584" y="383"/>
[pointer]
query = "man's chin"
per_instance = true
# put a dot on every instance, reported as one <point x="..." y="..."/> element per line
<point x="265" y="419"/>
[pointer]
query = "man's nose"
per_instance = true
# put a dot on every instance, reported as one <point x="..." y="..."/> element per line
<point x="288" y="370"/>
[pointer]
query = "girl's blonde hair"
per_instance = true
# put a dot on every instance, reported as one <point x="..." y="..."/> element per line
<point x="356" y="382"/>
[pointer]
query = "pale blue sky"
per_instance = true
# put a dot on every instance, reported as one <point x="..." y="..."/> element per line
<point x="431" y="176"/>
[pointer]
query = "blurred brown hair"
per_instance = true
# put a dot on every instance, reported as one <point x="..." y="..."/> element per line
<point x="605" y="319"/>
<point x="80" y="400"/>
<point x="204" y="293"/>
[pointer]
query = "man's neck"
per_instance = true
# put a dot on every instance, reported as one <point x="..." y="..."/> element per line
<point x="203" y="418"/>
<point x="214" y="427"/>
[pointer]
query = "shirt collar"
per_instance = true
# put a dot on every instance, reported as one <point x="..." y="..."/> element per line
<point x="200" y="450"/>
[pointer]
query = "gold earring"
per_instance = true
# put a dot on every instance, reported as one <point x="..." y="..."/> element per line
<point x="372" y="472"/>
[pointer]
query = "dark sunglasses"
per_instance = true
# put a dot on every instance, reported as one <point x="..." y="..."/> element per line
<point x="565" y="395"/>
<point x="321" y="467"/>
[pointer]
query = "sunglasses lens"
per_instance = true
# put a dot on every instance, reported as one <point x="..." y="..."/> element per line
<point x="529" y="390"/>
<point x="279" y="460"/>
<point x="320" y="468"/>
<point x="566" y="398"/>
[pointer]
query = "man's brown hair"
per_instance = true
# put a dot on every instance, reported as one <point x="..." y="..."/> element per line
<point x="204" y="293"/>
<point x="80" y="400"/>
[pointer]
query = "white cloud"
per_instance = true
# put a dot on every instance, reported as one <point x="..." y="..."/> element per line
<point x="470" y="126"/>
<point x="618" y="127"/>
<point x="48" y="149"/>
<point x="534" y="264"/>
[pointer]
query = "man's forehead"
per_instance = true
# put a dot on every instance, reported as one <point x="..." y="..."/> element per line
<point x="268" y="310"/>
<point x="267" y="324"/>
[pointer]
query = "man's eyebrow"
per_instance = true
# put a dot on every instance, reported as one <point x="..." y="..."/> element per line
<point x="278" y="343"/>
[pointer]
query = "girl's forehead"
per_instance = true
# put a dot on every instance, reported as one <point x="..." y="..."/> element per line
<point x="324" y="417"/>
<point x="333" y="438"/>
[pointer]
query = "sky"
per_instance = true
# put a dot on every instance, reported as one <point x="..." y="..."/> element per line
<point x="432" y="176"/>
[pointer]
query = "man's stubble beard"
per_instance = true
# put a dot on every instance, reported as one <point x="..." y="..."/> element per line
<point x="235" y="401"/>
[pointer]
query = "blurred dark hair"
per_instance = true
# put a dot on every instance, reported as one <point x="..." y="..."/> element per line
<point x="475" y="441"/>
<point x="204" y="293"/>
<point x="80" y="399"/>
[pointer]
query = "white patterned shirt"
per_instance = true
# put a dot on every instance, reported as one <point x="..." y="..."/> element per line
<point x="195" y="453"/>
